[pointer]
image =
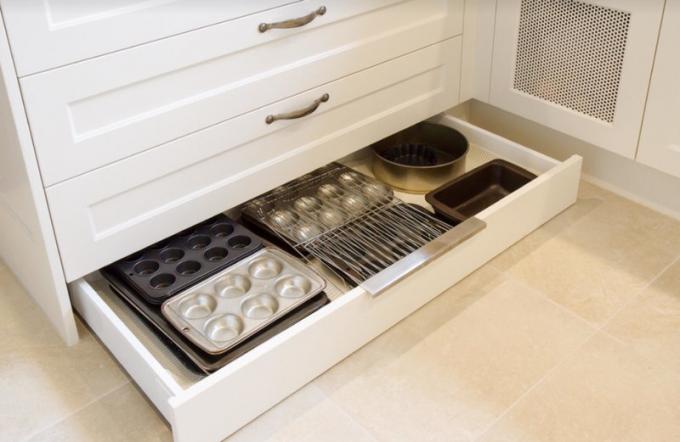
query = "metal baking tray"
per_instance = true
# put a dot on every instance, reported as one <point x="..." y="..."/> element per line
<point x="191" y="356"/>
<point x="172" y="265"/>
<point x="227" y="308"/>
<point x="469" y="194"/>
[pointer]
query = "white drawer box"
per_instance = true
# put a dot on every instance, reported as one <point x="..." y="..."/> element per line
<point x="208" y="408"/>
<point x="106" y="214"/>
<point x="48" y="33"/>
<point x="99" y="111"/>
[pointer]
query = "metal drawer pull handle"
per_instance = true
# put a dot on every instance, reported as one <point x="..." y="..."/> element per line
<point x="293" y="22"/>
<point x="379" y="283"/>
<point x="298" y="113"/>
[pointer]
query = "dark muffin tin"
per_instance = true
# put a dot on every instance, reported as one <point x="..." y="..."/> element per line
<point x="174" y="264"/>
<point x="469" y="194"/>
<point x="191" y="356"/>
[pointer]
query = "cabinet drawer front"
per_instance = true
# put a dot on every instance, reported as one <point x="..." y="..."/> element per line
<point x="348" y="322"/>
<point x="48" y="33"/>
<point x="108" y="213"/>
<point x="94" y="113"/>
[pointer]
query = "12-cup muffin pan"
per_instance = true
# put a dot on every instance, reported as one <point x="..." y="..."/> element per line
<point x="230" y="306"/>
<point x="170" y="266"/>
<point x="314" y="204"/>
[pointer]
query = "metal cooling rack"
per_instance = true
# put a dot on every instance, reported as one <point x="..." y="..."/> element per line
<point x="367" y="241"/>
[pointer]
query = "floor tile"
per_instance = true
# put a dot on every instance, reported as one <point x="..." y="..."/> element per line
<point x="604" y="393"/>
<point x="307" y="415"/>
<point x="463" y="375"/>
<point x="622" y="216"/>
<point x="41" y="385"/>
<point x="591" y="263"/>
<point x="22" y="324"/>
<point x="123" y="415"/>
<point x="411" y="331"/>
<point x="588" y="201"/>
<point x="651" y="323"/>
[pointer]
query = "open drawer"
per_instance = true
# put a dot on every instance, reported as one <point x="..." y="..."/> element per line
<point x="212" y="407"/>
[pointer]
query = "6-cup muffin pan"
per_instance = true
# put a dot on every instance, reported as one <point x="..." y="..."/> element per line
<point x="184" y="350"/>
<point x="230" y="306"/>
<point x="171" y="266"/>
<point x="319" y="202"/>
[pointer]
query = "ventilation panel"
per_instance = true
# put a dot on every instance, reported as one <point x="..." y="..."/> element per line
<point x="571" y="53"/>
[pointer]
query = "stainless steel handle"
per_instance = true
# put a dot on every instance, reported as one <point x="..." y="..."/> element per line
<point x="293" y="22"/>
<point x="298" y="113"/>
<point x="377" y="284"/>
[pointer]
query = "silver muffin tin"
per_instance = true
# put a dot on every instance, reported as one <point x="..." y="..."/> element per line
<point x="227" y="308"/>
<point x="317" y="203"/>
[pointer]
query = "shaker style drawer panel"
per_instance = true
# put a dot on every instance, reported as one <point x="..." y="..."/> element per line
<point x="108" y="213"/>
<point x="90" y="114"/>
<point x="351" y="320"/>
<point x="48" y="33"/>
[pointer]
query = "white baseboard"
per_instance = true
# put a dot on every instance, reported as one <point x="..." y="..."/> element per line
<point x="623" y="176"/>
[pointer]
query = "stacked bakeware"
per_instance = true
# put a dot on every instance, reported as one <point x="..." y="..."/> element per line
<point x="213" y="252"/>
<point x="189" y="354"/>
<point x="349" y="221"/>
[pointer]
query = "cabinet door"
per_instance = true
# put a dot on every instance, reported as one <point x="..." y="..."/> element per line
<point x="580" y="67"/>
<point x="660" y="138"/>
<point x="50" y="33"/>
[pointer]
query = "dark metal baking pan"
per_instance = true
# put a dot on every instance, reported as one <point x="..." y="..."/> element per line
<point x="172" y="265"/>
<point x="185" y="351"/>
<point x="469" y="194"/>
<point x="420" y="158"/>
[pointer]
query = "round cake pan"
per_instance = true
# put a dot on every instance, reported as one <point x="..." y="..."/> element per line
<point x="420" y="158"/>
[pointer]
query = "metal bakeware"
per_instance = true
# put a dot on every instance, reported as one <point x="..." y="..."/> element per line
<point x="227" y="308"/>
<point x="420" y="158"/>
<point x="317" y="203"/>
<point x="170" y="266"/>
<point x="473" y="192"/>
<point x="378" y="241"/>
<point x="191" y="356"/>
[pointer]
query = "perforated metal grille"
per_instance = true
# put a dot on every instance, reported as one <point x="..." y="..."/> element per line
<point x="571" y="53"/>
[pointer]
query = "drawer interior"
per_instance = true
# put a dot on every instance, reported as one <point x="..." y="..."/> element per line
<point x="484" y="147"/>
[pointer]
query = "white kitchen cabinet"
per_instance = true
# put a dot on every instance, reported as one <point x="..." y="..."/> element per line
<point x="660" y="138"/>
<point x="580" y="67"/>
<point x="139" y="143"/>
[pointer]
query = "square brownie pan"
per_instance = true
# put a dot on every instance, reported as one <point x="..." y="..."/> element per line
<point x="474" y="191"/>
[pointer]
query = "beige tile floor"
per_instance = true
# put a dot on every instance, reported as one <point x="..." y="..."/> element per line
<point x="573" y="334"/>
